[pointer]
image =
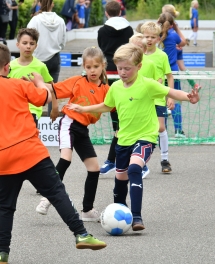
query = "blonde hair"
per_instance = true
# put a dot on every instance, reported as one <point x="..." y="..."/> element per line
<point x="138" y="37"/>
<point x="128" y="52"/>
<point x="170" y="9"/>
<point x="96" y="53"/>
<point x="193" y="3"/>
<point x="152" y="27"/>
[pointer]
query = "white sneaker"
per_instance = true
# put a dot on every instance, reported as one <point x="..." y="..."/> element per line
<point x="145" y="171"/>
<point x="43" y="206"/>
<point x="90" y="216"/>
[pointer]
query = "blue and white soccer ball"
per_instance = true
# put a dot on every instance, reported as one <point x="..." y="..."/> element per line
<point x="116" y="219"/>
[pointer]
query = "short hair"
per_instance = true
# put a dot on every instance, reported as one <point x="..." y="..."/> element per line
<point x="151" y="27"/>
<point x="96" y="53"/>
<point x="113" y="8"/>
<point x="170" y="9"/>
<point x="128" y="52"/>
<point x="4" y="55"/>
<point x="138" y="37"/>
<point x="32" y="32"/>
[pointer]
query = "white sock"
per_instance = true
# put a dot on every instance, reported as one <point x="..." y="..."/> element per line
<point x="191" y="35"/>
<point x="164" y="145"/>
<point x="194" y="37"/>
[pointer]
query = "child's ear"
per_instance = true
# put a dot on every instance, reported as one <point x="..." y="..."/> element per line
<point x="139" y="66"/>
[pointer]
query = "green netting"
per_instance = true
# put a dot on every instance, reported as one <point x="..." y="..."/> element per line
<point x="198" y="121"/>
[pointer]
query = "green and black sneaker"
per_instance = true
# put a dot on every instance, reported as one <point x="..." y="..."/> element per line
<point x="4" y="258"/>
<point x="89" y="242"/>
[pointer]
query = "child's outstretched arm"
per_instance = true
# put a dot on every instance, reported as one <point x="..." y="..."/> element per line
<point x="179" y="95"/>
<point x="55" y="111"/>
<point x="97" y="108"/>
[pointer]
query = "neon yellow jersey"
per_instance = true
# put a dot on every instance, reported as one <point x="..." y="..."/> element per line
<point x="161" y="61"/>
<point x="17" y="71"/>
<point x="136" y="109"/>
<point x="149" y="69"/>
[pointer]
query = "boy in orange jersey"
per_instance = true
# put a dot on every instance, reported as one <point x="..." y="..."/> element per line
<point x="24" y="157"/>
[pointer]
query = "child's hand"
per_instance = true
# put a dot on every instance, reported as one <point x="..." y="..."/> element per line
<point x="170" y="103"/>
<point x="54" y="114"/>
<point x="75" y="107"/>
<point x="194" y="96"/>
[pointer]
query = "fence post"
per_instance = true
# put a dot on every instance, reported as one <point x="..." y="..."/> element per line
<point x="213" y="49"/>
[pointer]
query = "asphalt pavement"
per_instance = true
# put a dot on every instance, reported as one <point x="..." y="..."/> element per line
<point x="178" y="213"/>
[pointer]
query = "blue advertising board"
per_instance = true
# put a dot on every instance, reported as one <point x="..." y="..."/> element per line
<point x="194" y="60"/>
<point x="65" y="59"/>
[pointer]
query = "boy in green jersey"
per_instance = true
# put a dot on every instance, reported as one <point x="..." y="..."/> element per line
<point x="26" y="64"/>
<point x="151" y="32"/>
<point x="133" y="96"/>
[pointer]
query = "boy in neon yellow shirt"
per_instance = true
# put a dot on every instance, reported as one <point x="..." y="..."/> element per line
<point x="151" y="32"/>
<point x="26" y="64"/>
<point x="133" y="96"/>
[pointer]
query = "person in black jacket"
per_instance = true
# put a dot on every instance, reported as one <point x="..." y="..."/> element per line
<point x="4" y="10"/>
<point x="115" y="32"/>
<point x="68" y="12"/>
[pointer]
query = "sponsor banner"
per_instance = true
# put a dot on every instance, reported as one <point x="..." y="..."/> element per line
<point x="49" y="131"/>
<point x="194" y="60"/>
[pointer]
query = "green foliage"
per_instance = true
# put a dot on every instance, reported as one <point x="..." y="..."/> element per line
<point x="96" y="14"/>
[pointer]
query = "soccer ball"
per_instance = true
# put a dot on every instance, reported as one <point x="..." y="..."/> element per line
<point x="116" y="219"/>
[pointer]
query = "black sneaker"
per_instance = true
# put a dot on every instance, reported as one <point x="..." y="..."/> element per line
<point x="4" y="258"/>
<point x="166" y="167"/>
<point x="137" y="225"/>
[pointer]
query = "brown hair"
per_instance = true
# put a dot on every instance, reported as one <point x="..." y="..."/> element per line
<point x="166" y="20"/>
<point x="138" y="28"/>
<point x="46" y="5"/>
<point x="4" y="55"/>
<point x="32" y="32"/>
<point x="113" y="8"/>
<point x="96" y="53"/>
<point x="128" y="52"/>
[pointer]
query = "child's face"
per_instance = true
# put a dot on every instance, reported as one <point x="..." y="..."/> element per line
<point x="151" y="39"/>
<point x="127" y="71"/>
<point x="26" y="45"/>
<point x="93" y="68"/>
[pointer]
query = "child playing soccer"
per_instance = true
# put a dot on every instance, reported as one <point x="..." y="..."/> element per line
<point x="151" y="32"/>
<point x="133" y="96"/>
<point x="24" y="157"/>
<point x="27" y="42"/>
<point x="73" y="133"/>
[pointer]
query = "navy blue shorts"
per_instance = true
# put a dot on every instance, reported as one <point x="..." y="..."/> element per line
<point x="179" y="55"/>
<point x="161" y="111"/>
<point x="141" y="149"/>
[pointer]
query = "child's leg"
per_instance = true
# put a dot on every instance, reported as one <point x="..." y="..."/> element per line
<point x="43" y="176"/>
<point x="9" y="190"/>
<point x="64" y="162"/>
<point x="141" y="153"/>
<point x="109" y="164"/>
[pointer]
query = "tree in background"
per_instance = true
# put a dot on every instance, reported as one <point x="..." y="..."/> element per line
<point x="96" y="13"/>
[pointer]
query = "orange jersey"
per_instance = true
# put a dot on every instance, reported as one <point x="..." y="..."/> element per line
<point x="82" y="92"/>
<point x="20" y="147"/>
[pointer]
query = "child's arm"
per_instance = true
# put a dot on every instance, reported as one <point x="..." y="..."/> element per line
<point x="97" y="108"/>
<point x="178" y="31"/>
<point x="55" y="111"/>
<point x="170" y="102"/>
<point x="179" y="95"/>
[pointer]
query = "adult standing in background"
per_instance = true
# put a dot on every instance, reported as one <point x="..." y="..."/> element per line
<point x="4" y="10"/>
<point x="88" y="4"/>
<point x="52" y="38"/>
<point x="13" y="17"/>
<point x="68" y="11"/>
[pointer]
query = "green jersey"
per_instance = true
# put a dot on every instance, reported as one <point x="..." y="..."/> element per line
<point x="136" y="109"/>
<point x="161" y="61"/>
<point x="18" y="71"/>
<point x="149" y="69"/>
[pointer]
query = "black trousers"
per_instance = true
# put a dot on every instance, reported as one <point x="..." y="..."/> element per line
<point x="53" y="66"/>
<point x="44" y="178"/>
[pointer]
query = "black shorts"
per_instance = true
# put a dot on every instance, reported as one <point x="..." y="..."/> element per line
<point x="73" y="134"/>
<point x="161" y="111"/>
